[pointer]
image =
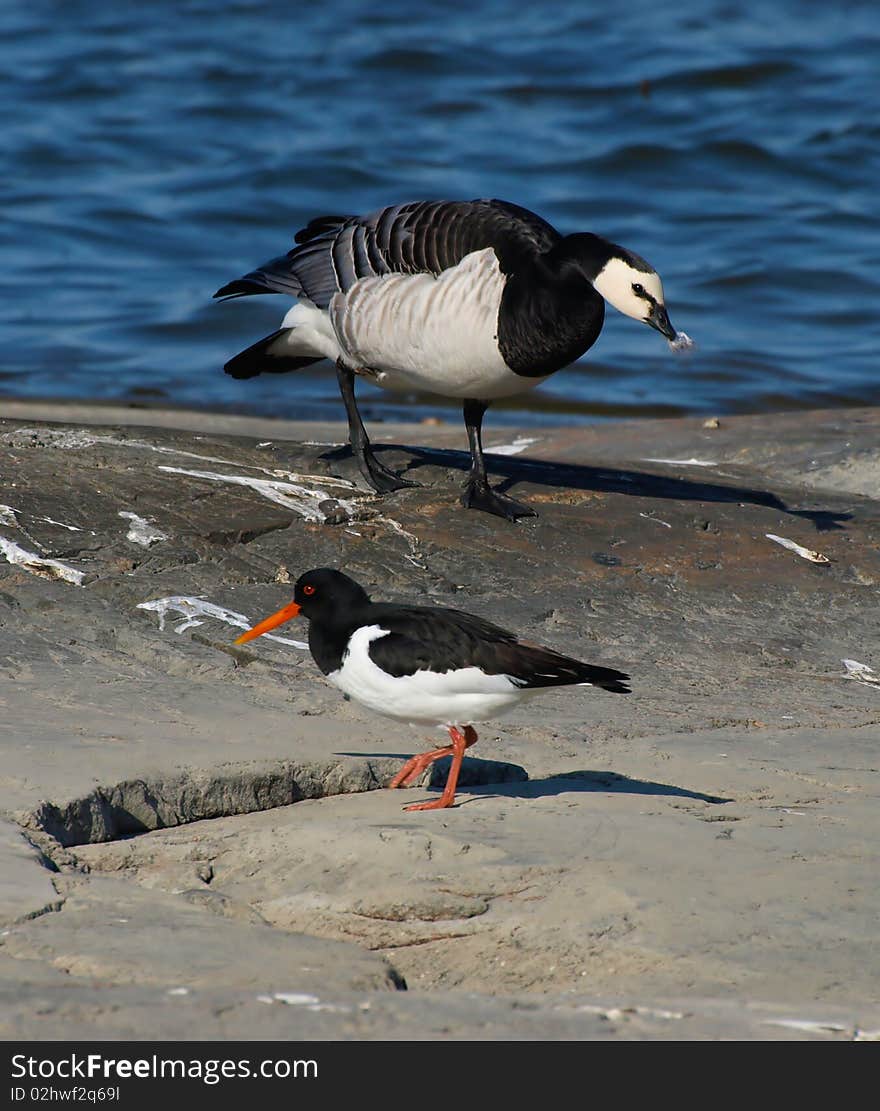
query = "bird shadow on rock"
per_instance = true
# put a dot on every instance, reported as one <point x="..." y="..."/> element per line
<point x="589" y="781"/>
<point x="612" y="480"/>
<point x="495" y="778"/>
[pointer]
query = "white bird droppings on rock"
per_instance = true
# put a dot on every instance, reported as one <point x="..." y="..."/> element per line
<point x="193" y="608"/>
<point x="657" y="520"/>
<point x="807" y="1025"/>
<point x="305" y="500"/>
<point x="9" y="516"/>
<point x="140" y="531"/>
<point x="64" y="438"/>
<point x="684" y="462"/>
<point x="518" y="445"/>
<point x="861" y="673"/>
<point x="38" y="565"/>
<point x="60" y="524"/>
<point x="798" y="549"/>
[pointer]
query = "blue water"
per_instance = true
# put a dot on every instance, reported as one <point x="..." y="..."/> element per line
<point x="154" y="151"/>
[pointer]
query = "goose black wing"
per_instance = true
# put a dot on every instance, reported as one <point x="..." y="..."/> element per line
<point x="333" y="252"/>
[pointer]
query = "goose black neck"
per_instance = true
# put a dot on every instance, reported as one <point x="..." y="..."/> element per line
<point x="580" y="255"/>
<point x="550" y="314"/>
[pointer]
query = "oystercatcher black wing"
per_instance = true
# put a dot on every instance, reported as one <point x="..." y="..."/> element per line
<point x="444" y="640"/>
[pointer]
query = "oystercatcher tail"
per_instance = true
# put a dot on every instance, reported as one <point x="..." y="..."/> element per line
<point x="476" y="300"/>
<point x="425" y="665"/>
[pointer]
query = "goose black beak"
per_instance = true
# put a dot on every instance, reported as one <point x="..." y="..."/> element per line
<point x="658" y="318"/>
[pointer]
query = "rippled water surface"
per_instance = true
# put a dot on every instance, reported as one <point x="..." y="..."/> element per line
<point x="154" y="151"/>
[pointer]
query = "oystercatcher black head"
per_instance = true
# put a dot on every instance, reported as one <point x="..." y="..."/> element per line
<point x="425" y="665"/>
<point x="475" y="300"/>
<point x="326" y="595"/>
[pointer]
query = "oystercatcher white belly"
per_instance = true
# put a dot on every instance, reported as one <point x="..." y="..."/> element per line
<point x="457" y="697"/>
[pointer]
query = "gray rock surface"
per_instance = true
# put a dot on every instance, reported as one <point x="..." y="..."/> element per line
<point x="114" y="933"/>
<point x="696" y="860"/>
<point x="26" y="887"/>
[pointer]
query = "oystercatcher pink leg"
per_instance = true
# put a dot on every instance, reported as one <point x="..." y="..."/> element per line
<point x="415" y="766"/>
<point x="460" y="741"/>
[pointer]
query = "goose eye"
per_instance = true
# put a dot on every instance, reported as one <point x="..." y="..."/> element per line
<point x="638" y="289"/>
<point x="308" y="590"/>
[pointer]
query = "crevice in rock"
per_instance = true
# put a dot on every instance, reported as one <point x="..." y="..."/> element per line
<point x="49" y="908"/>
<point x="141" y="805"/>
<point x="38" y="844"/>
<point x="53" y="906"/>
<point x="228" y="538"/>
<point x="413" y="942"/>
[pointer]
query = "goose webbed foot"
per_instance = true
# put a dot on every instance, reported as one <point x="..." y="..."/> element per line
<point x="480" y="495"/>
<point x="377" y="474"/>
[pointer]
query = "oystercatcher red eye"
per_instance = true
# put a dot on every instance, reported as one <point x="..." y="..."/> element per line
<point x="308" y="590"/>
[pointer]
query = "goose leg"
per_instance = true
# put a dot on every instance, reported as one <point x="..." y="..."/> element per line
<point x="377" y="475"/>
<point x="477" y="493"/>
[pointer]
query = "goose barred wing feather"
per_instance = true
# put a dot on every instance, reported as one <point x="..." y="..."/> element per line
<point x="421" y="639"/>
<point x="319" y="225"/>
<point x="334" y="252"/>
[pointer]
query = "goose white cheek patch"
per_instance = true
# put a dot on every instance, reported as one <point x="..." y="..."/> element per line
<point x="682" y="342"/>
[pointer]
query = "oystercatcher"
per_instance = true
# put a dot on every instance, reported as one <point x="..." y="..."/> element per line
<point x="425" y="665"/>
<point x="475" y="300"/>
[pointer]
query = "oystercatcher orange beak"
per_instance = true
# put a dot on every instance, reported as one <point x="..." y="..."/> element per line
<point x="272" y="622"/>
